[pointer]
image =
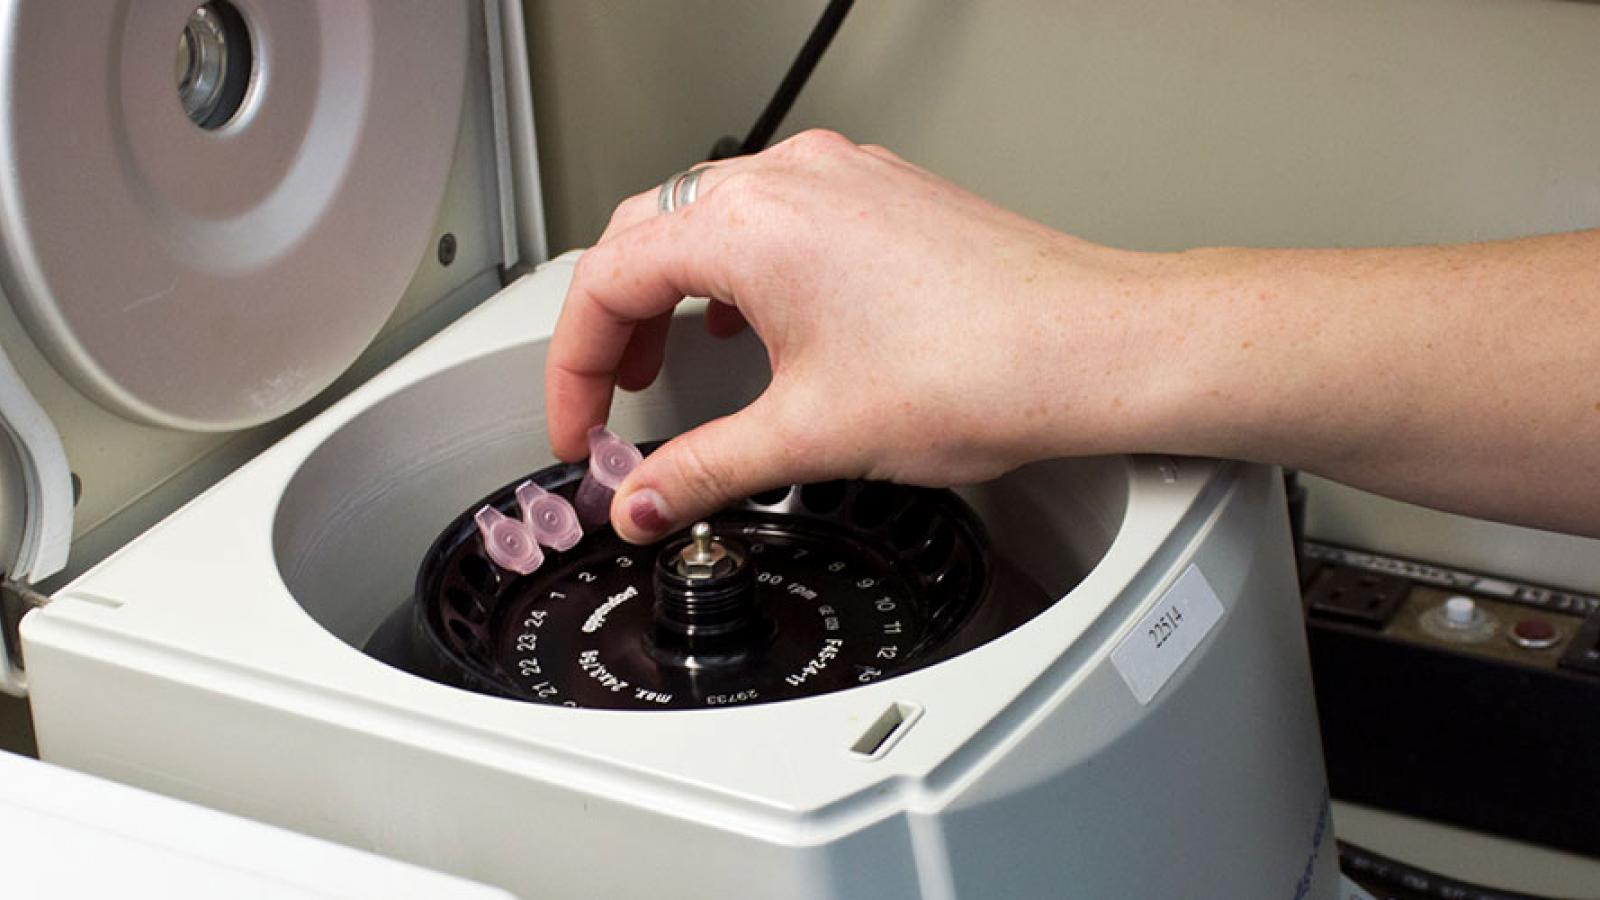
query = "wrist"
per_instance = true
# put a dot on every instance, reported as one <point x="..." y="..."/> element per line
<point x="1160" y="352"/>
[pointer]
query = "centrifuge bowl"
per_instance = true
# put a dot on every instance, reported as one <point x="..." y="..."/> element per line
<point x="360" y="513"/>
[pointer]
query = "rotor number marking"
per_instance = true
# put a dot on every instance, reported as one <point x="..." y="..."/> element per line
<point x="729" y="699"/>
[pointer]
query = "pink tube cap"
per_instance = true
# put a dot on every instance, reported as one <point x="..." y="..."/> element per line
<point x="550" y="517"/>
<point x="610" y="460"/>
<point x="509" y="542"/>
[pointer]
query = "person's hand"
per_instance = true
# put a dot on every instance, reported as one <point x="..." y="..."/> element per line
<point x="916" y="332"/>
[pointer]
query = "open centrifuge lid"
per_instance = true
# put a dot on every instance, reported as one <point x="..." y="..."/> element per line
<point x="211" y="276"/>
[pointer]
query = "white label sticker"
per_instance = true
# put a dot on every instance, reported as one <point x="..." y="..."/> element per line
<point x="1167" y="634"/>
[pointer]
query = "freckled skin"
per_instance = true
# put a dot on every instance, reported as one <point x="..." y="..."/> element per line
<point x="920" y="333"/>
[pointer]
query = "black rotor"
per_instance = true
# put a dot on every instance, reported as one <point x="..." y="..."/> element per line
<point x="791" y="593"/>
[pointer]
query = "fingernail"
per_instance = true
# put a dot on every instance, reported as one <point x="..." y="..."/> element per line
<point x="649" y="512"/>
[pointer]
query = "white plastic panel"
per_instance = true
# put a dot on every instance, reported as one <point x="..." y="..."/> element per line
<point x="65" y="834"/>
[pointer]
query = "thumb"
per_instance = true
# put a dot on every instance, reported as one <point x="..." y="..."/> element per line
<point x="702" y="471"/>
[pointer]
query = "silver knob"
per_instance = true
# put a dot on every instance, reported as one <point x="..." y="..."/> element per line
<point x="703" y="555"/>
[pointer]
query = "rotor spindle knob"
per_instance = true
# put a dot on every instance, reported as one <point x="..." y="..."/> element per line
<point x="705" y="609"/>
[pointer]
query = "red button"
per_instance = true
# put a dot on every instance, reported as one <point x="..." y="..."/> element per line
<point x="1535" y="634"/>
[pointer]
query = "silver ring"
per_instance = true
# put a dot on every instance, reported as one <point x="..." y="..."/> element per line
<point x="680" y="190"/>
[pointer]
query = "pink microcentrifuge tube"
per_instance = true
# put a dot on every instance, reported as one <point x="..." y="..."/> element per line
<point x="509" y="542"/>
<point x="610" y="460"/>
<point x="550" y="517"/>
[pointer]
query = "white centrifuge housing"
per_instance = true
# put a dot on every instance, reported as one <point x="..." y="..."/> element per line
<point x="1092" y="752"/>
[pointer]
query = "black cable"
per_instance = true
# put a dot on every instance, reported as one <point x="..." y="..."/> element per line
<point x="789" y="89"/>
<point x="1376" y="871"/>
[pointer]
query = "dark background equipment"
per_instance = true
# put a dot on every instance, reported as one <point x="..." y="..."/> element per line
<point x="1456" y="696"/>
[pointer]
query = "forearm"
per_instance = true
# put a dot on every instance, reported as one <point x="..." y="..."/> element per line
<point x="1462" y="377"/>
<point x="918" y="333"/>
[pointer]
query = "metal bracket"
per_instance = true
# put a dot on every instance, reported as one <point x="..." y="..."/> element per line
<point x="16" y="600"/>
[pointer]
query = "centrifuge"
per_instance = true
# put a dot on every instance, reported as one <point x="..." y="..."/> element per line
<point x="1087" y="678"/>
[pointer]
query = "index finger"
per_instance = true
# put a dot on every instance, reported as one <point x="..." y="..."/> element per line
<point x="637" y="274"/>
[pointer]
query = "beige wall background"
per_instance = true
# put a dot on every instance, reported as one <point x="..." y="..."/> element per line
<point x="1140" y="123"/>
<point x="1144" y="124"/>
